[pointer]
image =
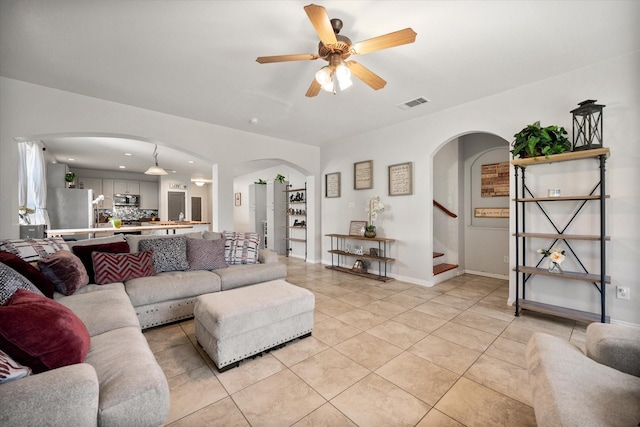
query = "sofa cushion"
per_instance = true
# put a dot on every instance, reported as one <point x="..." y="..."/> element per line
<point x="171" y="285"/>
<point x="133" y="388"/>
<point x="169" y="253"/>
<point x="134" y="239"/>
<point x="65" y="270"/>
<point x="84" y="253"/>
<point x="102" y="310"/>
<point x="32" y="250"/>
<point x="205" y="254"/>
<point x="112" y="268"/>
<point x="211" y="235"/>
<point x="570" y="389"/>
<point x="29" y="272"/>
<point x="617" y="346"/>
<point x="97" y="241"/>
<point x="240" y="248"/>
<point x="10" y="369"/>
<point x="11" y="281"/>
<point x="242" y="275"/>
<point x="41" y="333"/>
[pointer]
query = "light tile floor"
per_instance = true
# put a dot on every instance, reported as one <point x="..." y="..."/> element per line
<point x="381" y="354"/>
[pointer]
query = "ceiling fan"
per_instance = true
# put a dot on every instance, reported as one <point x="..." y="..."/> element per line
<point x="335" y="49"/>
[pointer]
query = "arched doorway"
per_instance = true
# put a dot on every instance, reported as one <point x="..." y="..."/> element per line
<point x="470" y="243"/>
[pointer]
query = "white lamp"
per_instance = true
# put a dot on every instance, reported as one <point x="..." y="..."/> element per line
<point x="155" y="170"/>
<point x="334" y="76"/>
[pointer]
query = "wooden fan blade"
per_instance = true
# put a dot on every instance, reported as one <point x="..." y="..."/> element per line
<point x="366" y="75"/>
<point x="320" y="21"/>
<point x="386" y="41"/>
<point x="314" y="89"/>
<point x="285" y="58"/>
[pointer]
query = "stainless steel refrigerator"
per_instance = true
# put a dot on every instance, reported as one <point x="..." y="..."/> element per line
<point x="70" y="208"/>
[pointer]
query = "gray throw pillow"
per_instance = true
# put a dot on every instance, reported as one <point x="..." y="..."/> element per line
<point x="11" y="281"/>
<point x="169" y="253"/>
<point x="205" y="254"/>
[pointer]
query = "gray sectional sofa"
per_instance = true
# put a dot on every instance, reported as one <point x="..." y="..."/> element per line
<point x="120" y="383"/>
<point x="599" y="388"/>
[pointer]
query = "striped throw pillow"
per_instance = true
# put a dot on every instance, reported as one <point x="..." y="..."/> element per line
<point x="113" y="268"/>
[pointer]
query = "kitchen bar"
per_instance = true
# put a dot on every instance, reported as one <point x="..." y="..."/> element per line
<point x="92" y="231"/>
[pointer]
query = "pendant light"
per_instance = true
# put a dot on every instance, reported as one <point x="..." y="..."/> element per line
<point x="155" y="170"/>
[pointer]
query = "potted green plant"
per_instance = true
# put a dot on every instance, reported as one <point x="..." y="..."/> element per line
<point x="70" y="177"/>
<point x="535" y="140"/>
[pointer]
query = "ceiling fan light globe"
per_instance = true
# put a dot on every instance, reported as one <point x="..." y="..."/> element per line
<point x="328" y="87"/>
<point x="343" y="72"/>
<point x="344" y="83"/>
<point x="323" y="76"/>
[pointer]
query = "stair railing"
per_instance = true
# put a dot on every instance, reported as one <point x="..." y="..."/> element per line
<point x="445" y="210"/>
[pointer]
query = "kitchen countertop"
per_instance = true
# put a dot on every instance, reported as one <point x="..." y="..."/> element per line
<point x="93" y="231"/>
<point x="177" y="222"/>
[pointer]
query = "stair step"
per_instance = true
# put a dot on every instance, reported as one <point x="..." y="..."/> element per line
<point x="441" y="268"/>
<point x="437" y="254"/>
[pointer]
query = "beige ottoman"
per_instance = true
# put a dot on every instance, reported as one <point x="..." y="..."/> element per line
<point x="235" y="324"/>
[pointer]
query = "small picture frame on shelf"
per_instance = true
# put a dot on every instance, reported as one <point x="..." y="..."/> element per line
<point x="332" y="185"/>
<point x="356" y="228"/>
<point x="374" y="252"/>
<point x="363" y="175"/>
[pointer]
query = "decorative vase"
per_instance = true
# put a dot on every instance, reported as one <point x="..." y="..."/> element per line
<point x="554" y="267"/>
<point x="370" y="232"/>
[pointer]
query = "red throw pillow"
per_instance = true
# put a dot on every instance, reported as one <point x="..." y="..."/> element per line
<point x="65" y="270"/>
<point x="112" y="268"/>
<point x="41" y="333"/>
<point x="30" y="273"/>
<point x="84" y="253"/>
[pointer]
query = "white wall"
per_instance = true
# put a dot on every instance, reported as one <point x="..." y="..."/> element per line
<point x="614" y="83"/>
<point x="446" y="189"/>
<point x="32" y="110"/>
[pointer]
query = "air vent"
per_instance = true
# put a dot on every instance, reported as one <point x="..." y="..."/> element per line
<point x="413" y="103"/>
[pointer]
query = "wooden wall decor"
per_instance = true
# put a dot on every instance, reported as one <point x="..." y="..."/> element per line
<point x="495" y="180"/>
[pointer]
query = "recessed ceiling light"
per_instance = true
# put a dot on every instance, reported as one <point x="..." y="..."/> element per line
<point x="122" y="167"/>
<point x="191" y="161"/>
<point x="71" y="160"/>
<point x="128" y="154"/>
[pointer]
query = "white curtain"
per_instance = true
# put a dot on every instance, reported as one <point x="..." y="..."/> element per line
<point x="32" y="181"/>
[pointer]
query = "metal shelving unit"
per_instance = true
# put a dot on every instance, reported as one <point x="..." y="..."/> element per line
<point x="524" y="273"/>
<point x="296" y="212"/>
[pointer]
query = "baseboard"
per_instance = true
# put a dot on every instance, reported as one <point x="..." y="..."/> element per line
<point x="485" y="274"/>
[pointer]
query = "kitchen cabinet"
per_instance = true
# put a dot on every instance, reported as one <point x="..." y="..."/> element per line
<point x="258" y="211"/>
<point x="149" y="195"/>
<point x="107" y="191"/>
<point x="276" y="219"/>
<point x="126" y="187"/>
<point x="94" y="184"/>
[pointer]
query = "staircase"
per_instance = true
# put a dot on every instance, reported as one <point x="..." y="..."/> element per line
<point x="442" y="267"/>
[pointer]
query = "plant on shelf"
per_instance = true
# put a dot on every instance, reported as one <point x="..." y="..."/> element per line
<point x="70" y="177"/>
<point x="261" y="182"/>
<point x="556" y="257"/>
<point x="535" y="140"/>
<point x="280" y="178"/>
<point x="374" y="206"/>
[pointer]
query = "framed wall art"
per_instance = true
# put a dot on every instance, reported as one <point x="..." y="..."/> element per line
<point x="332" y="184"/>
<point x="238" y="197"/>
<point x="363" y="175"/>
<point x="356" y="228"/>
<point x="401" y="179"/>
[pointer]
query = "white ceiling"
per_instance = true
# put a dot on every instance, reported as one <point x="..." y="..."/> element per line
<point x="196" y="59"/>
